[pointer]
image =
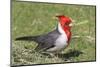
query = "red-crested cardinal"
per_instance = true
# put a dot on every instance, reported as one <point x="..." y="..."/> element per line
<point x="55" y="40"/>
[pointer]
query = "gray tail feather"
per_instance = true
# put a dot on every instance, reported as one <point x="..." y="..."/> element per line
<point x="27" y="38"/>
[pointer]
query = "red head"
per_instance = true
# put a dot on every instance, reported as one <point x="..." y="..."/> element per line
<point x="65" y="24"/>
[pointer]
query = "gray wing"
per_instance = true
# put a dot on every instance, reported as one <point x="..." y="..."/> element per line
<point x="47" y="41"/>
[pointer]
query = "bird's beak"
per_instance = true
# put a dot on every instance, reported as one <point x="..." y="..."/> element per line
<point x="71" y="24"/>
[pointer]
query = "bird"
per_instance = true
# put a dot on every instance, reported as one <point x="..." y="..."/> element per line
<point x="54" y="41"/>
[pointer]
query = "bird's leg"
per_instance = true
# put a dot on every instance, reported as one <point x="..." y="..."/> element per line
<point x="57" y="55"/>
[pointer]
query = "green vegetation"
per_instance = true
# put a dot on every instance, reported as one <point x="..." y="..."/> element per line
<point x="30" y="18"/>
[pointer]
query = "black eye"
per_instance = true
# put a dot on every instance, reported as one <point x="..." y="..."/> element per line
<point x="66" y="24"/>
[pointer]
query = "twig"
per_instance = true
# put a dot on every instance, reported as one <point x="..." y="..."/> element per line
<point x="83" y="22"/>
<point x="87" y="37"/>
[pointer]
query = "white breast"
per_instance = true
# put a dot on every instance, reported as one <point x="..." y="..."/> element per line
<point x="61" y="42"/>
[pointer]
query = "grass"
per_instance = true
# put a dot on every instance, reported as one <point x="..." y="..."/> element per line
<point x="38" y="18"/>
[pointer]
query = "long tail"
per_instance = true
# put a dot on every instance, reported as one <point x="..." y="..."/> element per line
<point x="27" y="38"/>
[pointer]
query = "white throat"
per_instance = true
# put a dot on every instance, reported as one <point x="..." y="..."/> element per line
<point x="63" y="35"/>
<point x="60" y="29"/>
